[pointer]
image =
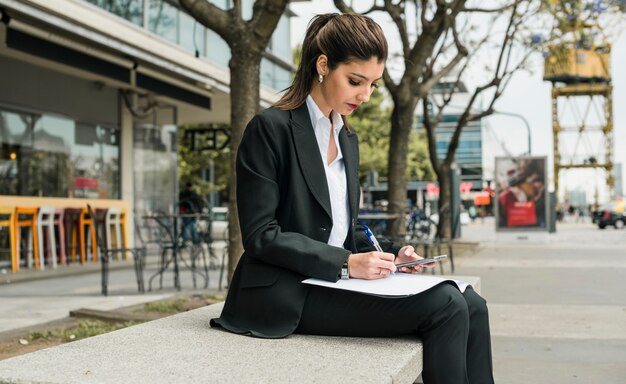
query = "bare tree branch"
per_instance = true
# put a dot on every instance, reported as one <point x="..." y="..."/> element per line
<point x="493" y="10"/>
<point x="389" y="83"/>
<point x="210" y="16"/>
<point x="237" y="10"/>
<point x="396" y="11"/>
<point x="499" y="82"/>
<point x="430" y="134"/>
<point x="434" y="79"/>
<point x="265" y="16"/>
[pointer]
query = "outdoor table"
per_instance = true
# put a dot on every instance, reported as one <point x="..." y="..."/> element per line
<point x="174" y="234"/>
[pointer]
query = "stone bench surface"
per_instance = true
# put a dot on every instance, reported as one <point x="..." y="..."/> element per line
<point x="184" y="349"/>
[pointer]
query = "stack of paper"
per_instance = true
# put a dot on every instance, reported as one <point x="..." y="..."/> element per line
<point x="396" y="285"/>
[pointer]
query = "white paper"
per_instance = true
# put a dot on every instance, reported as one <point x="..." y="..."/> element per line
<point x="396" y="285"/>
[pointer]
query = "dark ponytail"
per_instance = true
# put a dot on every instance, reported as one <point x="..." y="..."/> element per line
<point x="342" y="38"/>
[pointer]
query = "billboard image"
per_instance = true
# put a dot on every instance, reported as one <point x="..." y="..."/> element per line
<point x="521" y="193"/>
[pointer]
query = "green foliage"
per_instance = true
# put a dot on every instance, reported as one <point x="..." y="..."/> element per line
<point x="372" y="122"/>
<point x="192" y="163"/>
<point x="418" y="161"/>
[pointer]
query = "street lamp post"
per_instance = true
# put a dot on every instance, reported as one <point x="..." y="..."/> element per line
<point x="525" y="123"/>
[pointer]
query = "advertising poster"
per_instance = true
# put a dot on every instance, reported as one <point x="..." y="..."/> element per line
<point x="521" y="193"/>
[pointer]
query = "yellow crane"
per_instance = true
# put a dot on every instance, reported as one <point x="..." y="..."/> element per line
<point x="577" y="64"/>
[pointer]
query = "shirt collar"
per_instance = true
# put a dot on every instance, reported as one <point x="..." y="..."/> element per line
<point x="316" y="114"/>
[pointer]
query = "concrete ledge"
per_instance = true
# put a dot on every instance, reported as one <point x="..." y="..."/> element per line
<point x="184" y="349"/>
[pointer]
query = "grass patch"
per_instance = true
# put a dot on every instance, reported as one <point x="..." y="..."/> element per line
<point x="172" y="306"/>
<point x="85" y="328"/>
<point x="166" y="306"/>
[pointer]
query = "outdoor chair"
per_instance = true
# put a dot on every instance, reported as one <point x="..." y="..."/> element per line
<point x="26" y="217"/>
<point x="7" y="215"/>
<point x="77" y="222"/>
<point x="106" y="253"/>
<point x="45" y="231"/>
<point x="170" y="244"/>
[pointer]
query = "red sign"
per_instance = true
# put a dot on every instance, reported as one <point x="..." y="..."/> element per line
<point x="86" y="182"/>
<point x="465" y="187"/>
<point x="482" y="198"/>
<point x="521" y="213"/>
<point x="432" y="189"/>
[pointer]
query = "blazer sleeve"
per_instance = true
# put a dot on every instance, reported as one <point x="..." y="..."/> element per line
<point x="258" y="199"/>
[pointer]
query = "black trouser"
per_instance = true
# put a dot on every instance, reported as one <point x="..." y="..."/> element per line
<point x="453" y="326"/>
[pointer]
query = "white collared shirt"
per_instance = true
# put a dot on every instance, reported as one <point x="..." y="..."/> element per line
<point x="335" y="171"/>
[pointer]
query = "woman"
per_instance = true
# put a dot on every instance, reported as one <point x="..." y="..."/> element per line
<point x="298" y="195"/>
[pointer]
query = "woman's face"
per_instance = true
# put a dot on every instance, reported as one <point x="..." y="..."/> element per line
<point x="347" y="86"/>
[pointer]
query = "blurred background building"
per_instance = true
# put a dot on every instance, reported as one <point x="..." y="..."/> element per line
<point x="92" y="93"/>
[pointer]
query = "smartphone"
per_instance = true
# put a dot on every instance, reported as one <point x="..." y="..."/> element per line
<point x="422" y="261"/>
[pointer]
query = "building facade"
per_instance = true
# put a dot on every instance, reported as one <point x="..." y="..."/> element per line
<point x="92" y="91"/>
<point x="469" y="152"/>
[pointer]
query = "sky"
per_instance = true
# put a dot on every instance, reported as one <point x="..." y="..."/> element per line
<point x="527" y="98"/>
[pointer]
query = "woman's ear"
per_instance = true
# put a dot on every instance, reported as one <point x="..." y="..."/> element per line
<point x="322" y="65"/>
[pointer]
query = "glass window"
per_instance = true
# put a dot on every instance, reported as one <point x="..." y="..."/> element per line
<point x="282" y="78"/>
<point x="281" y="42"/>
<point x="246" y="9"/>
<point x="191" y="34"/>
<point x="163" y="19"/>
<point x="46" y="155"/>
<point x="274" y="76"/>
<point x="267" y="73"/>
<point x="95" y="164"/>
<point x="218" y="51"/>
<point x="131" y="10"/>
<point x="222" y="4"/>
<point x="155" y="162"/>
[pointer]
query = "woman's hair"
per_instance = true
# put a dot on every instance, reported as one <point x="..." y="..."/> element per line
<point x="342" y="38"/>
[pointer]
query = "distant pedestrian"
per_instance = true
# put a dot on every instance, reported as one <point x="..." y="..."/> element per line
<point x="581" y="214"/>
<point x="189" y="202"/>
<point x="472" y="213"/>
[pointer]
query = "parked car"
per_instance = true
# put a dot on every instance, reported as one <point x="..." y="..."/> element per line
<point x="610" y="214"/>
<point x="219" y="223"/>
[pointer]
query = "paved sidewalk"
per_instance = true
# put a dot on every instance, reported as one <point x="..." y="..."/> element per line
<point x="31" y="298"/>
<point x="557" y="307"/>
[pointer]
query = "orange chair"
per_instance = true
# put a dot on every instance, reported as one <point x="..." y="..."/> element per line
<point x="18" y="223"/>
<point x="7" y="215"/>
<point x="77" y="219"/>
<point x="86" y="220"/>
<point x="122" y="222"/>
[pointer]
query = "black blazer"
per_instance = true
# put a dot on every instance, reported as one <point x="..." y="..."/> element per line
<point x="285" y="217"/>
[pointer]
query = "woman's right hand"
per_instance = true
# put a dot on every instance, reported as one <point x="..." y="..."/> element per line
<point x="371" y="265"/>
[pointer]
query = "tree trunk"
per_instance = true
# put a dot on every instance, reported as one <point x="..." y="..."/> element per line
<point x="244" y="98"/>
<point x="443" y="227"/>
<point x="402" y="121"/>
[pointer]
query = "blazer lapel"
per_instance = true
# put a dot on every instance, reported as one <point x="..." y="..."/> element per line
<point x="309" y="156"/>
<point x="349" y="148"/>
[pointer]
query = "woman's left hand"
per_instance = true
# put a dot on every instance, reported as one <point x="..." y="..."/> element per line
<point x="407" y="253"/>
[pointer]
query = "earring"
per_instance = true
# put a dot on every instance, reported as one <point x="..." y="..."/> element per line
<point x="320" y="78"/>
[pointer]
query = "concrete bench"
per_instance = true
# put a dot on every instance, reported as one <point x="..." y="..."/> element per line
<point x="184" y="349"/>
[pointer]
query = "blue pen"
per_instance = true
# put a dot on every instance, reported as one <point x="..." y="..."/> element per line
<point x="372" y="238"/>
